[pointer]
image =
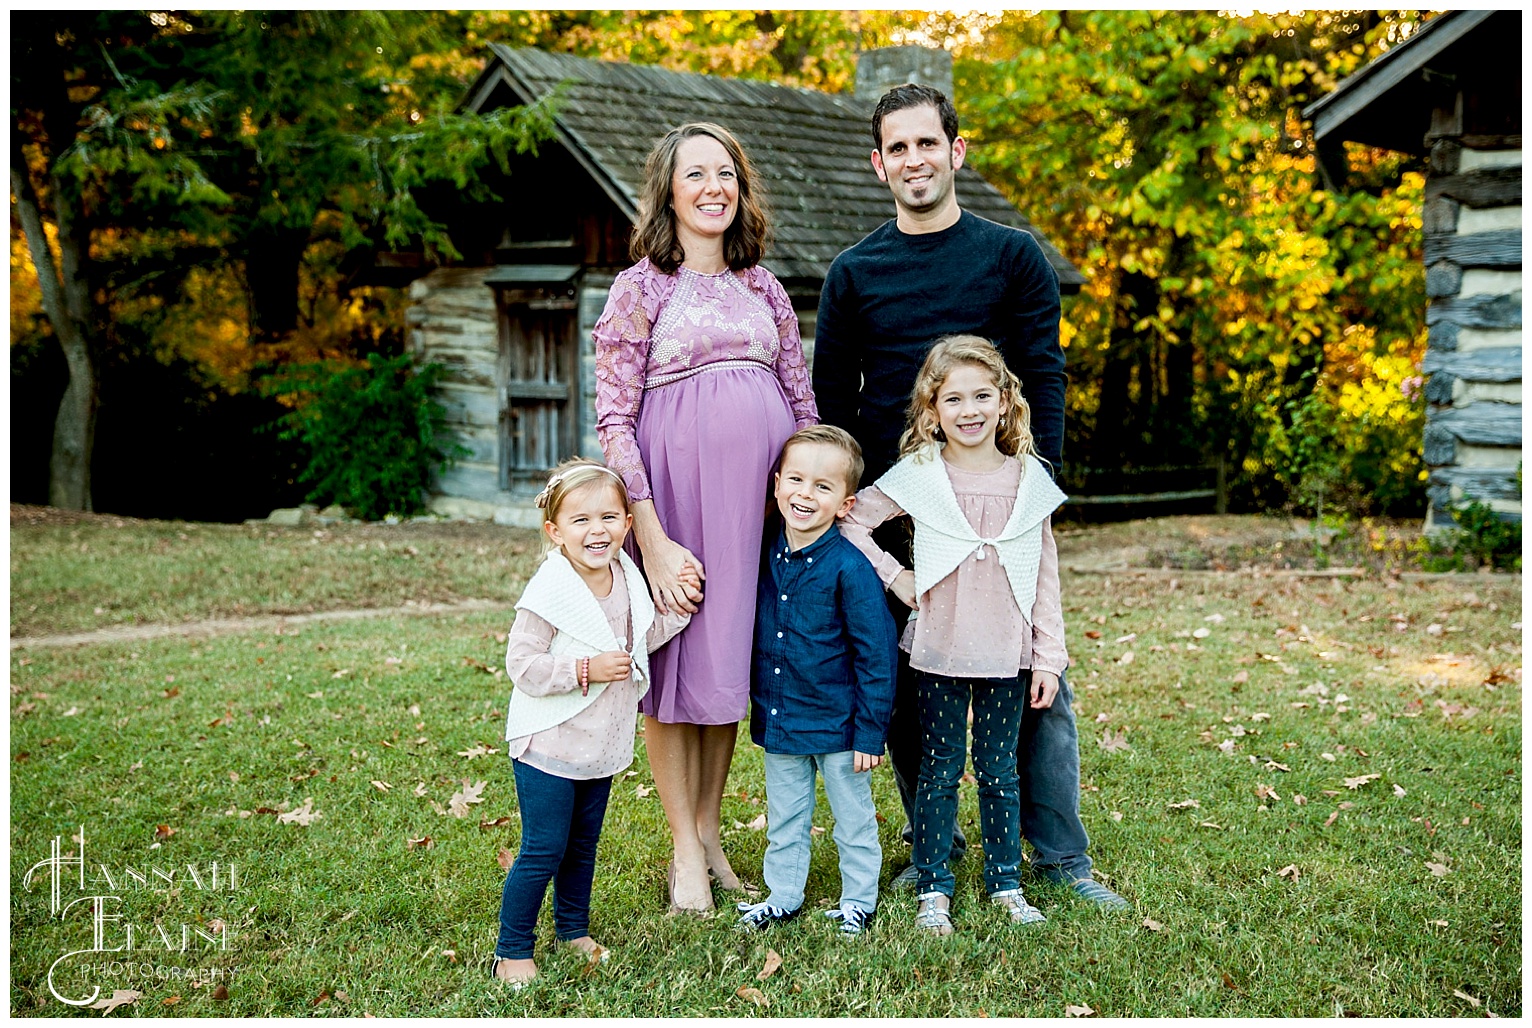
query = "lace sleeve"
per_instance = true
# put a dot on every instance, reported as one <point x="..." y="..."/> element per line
<point x="791" y="368"/>
<point x="622" y="360"/>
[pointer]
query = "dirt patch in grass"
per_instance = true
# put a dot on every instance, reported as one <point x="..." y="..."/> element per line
<point x="468" y="531"/>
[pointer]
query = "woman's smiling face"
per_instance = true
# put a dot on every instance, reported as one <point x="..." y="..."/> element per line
<point x="704" y="190"/>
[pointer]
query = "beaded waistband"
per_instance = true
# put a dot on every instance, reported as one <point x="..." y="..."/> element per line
<point x="654" y="381"/>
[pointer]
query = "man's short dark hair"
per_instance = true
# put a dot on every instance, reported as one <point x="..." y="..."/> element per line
<point x="910" y="95"/>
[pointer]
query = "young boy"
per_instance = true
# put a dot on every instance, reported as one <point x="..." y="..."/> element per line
<point x="822" y="683"/>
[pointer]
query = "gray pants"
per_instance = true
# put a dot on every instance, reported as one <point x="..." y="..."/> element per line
<point x="789" y="820"/>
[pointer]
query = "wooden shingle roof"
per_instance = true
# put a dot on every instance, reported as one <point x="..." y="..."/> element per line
<point x="810" y="148"/>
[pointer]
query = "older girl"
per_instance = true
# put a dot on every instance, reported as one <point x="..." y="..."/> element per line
<point x="700" y="379"/>
<point x="988" y="628"/>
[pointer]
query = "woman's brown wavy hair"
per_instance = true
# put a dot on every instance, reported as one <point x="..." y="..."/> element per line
<point x="654" y="234"/>
<point x="923" y="427"/>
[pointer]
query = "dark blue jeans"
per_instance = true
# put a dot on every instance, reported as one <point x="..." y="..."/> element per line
<point x="997" y="707"/>
<point x="560" y="826"/>
<point x="1048" y="763"/>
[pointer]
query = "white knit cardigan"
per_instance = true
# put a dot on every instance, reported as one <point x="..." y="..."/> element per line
<point x="559" y="596"/>
<point x="943" y="536"/>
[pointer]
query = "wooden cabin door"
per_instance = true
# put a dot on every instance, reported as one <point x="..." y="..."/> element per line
<point x="539" y="376"/>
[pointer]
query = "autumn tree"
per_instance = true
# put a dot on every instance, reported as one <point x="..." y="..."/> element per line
<point x="1165" y="154"/>
<point x="146" y="145"/>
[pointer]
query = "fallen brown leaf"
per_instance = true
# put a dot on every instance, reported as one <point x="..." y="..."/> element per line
<point x="773" y="961"/>
<point x="1360" y="780"/>
<point x="170" y="1001"/>
<point x="381" y="786"/>
<point x="1152" y="924"/>
<point x="467" y="795"/>
<point x="304" y="815"/>
<point x="751" y="993"/>
<point x="1460" y="994"/>
<point x="505" y="858"/>
<point x="498" y="822"/>
<point x="423" y="843"/>
<point x="1438" y="870"/>
<point x="221" y="992"/>
<point x="758" y="824"/>
<point x="164" y="831"/>
<point x="1077" y="1011"/>
<point x="1290" y="871"/>
<point x="119" y="998"/>
<point x="1111" y="743"/>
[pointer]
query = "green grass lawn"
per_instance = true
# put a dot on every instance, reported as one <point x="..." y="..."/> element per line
<point x="1392" y="888"/>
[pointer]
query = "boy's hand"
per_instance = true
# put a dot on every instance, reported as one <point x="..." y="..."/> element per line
<point x="611" y="667"/>
<point x="691" y="581"/>
<point x="903" y="586"/>
<point x="1045" y="686"/>
<point x="865" y="761"/>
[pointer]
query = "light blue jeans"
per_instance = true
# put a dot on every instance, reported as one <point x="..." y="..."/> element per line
<point x="789" y="818"/>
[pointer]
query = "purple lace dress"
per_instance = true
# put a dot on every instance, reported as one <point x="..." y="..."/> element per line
<point x="700" y="379"/>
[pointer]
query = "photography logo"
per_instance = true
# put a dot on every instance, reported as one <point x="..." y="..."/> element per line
<point x="92" y="895"/>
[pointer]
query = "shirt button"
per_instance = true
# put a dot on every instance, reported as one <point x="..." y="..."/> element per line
<point x="811" y="560"/>
<point x="784" y="596"/>
<point x="776" y="671"/>
<point x="773" y="711"/>
<point x="779" y="635"/>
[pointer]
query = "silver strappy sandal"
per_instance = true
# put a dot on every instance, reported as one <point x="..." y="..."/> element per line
<point x="934" y="914"/>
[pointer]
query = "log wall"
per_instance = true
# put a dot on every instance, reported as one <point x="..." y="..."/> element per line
<point x="1472" y="222"/>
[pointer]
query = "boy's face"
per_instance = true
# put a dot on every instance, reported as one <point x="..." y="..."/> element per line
<point x="811" y="490"/>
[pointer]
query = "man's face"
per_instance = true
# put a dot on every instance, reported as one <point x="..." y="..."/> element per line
<point x="916" y="160"/>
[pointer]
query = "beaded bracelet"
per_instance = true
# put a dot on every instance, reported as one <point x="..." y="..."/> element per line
<point x="584" y="676"/>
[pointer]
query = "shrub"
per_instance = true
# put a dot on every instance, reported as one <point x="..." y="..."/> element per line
<point x="1492" y="540"/>
<point x="370" y="432"/>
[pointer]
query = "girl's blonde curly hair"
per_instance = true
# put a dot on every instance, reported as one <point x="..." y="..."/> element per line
<point x="922" y="426"/>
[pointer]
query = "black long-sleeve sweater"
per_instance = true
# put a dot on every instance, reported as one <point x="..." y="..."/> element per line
<point x="887" y="299"/>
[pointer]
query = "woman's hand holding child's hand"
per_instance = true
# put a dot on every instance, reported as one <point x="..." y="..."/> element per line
<point x="675" y="577"/>
<point x="611" y="667"/>
<point x="903" y="586"/>
<point x="1045" y="686"/>
<point x="865" y="761"/>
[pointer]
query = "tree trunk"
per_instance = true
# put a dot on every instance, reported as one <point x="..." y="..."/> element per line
<point x="272" y="262"/>
<point x="65" y="300"/>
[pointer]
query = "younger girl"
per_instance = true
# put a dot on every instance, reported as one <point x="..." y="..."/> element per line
<point x="988" y="627"/>
<point x="570" y="720"/>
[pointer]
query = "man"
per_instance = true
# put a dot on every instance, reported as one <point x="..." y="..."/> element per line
<point x="936" y="270"/>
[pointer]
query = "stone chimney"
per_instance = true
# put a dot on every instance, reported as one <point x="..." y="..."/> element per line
<point x="878" y="71"/>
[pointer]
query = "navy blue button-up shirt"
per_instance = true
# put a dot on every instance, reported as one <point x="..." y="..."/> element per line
<point x="825" y="645"/>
